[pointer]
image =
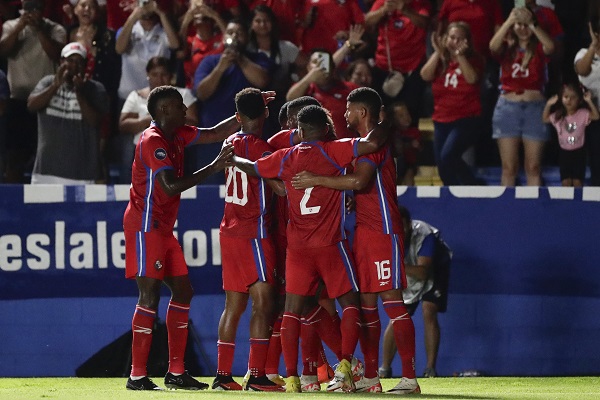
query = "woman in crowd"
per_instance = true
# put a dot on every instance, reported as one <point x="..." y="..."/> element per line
<point x="521" y="47"/>
<point x="454" y="70"/>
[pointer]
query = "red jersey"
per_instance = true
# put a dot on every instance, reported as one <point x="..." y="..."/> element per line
<point x="548" y="21"/>
<point x="282" y="140"/>
<point x="483" y="17"/>
<point x="247" y="198"/>
<point x="332" y="16"/>
<point x="334" y="100"/>
<point x="377" y="203"/>
<point x="198" y="50"/>
<point x="453" y="97"/>
<point x="515" y="78"/>
<point x="149" y="206"/>
<point x="401" y="35"/>
<point x="317" y="213"/>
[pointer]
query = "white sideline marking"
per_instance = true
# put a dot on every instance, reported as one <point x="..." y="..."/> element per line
<point x="43" y="194"/>
<point x="591" y="194"/>
<point x="428" y="191"/>
<point x="527" y="192"/>
<point x="95" y="193"/>
<point x="561" y="193"/>
<point x="477" y="192"/>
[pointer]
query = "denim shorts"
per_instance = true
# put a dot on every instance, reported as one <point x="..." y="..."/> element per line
<point x="519" y="119"/>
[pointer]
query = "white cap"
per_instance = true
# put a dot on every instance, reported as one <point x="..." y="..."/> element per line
<point x="73" y="48"/>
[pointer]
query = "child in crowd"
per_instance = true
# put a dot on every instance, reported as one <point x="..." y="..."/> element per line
<point x="572" y="114"/>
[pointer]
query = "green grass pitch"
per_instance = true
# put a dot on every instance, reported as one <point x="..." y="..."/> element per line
<point x="576" y="388"/>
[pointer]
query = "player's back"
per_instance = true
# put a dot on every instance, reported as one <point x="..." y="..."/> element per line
<point x="247" y="198"/>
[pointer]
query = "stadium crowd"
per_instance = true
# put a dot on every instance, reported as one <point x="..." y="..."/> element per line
<point x="509" y="61"/>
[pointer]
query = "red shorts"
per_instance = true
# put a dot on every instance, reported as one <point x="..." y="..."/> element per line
<point x="246" y="261"/>
<point x="379" y="261"/>
<point x="153" y="255"/>
<point x="333" y="264"/>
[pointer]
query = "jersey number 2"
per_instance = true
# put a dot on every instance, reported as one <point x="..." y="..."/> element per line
<point x="304" y="209"/>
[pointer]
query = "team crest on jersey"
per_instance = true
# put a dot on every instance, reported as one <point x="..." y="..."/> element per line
<point x="160" y="154"/>
<point x="398" y="24"/>
<point x="158" y="265"/>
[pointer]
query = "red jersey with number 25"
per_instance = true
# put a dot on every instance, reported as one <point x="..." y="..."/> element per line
<point x="247" y="198"/>
<point x="317" y="213"/>
<point x="515" y="78"/>
<point x="149" y="206"/>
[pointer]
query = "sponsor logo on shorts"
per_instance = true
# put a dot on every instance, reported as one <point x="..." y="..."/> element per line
<point x="160" y="154"/>
<point x="158" y="265"/>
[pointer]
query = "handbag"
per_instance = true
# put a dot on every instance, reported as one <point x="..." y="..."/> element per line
<point x="394" y="82"/>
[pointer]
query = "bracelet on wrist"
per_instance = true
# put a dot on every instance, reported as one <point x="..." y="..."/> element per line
<point x="350" y="45"/>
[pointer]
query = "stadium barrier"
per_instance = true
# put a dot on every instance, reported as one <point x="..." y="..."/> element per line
<point x="524" y="286"/>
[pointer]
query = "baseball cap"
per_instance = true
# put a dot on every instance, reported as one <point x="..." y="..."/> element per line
<point x="73" y="48"/>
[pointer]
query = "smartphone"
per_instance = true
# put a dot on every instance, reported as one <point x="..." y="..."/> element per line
<point x="519" y="3"/>
<point x="324" y="60"/>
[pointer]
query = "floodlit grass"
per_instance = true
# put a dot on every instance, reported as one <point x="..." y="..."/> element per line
<point x="580" y="388"/>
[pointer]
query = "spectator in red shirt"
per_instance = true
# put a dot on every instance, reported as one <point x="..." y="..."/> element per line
<point x="401" y="45"/>
<point x="454" y="70"/>
<point x="322" y="83"/>
<point x="522" y="48"/>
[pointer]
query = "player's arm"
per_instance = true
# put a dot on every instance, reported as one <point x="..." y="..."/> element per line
<point x="173" y="185"/>
<point x="421" y="271"/>
<point x="245" y="165"/>
<point x="278" y="186"/>
<point x="374" y="140"/>
<point x="355" y="181"/>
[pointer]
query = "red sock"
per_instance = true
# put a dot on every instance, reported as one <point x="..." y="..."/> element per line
<point x="350" y="328"/>
<point x="310" y="348"/>
<point x="258" y="356"/>
<point x="225" y="352"/>
<point x="290" y="334"/>
<point x="322" y="359"/>
<point x="274" y="353"/>
<point x="369" y="339"/>
<point x="404" y="334"/>
<point x="141" y="325"/>
<point x="327" y="328"/>
<point x="177" y="331"/>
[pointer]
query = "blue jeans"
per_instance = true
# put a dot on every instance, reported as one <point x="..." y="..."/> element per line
<point x="451" y="140"/>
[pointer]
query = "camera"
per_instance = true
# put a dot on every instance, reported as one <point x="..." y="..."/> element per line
<point x="231" y="43"/>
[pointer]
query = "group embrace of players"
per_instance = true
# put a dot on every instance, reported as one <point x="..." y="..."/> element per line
<point x="290" y="255"/>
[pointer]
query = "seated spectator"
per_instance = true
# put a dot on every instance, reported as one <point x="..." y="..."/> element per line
<point x="454" y="70"/>
<point x="70" y="109"/>
<point x="216" y="81"/>
<point x="522" y="48"/>
<point x="206" y="39"/>
<point x="322" y="83"/>
<point x="135" y="117"/>
<point x="32" y="46"/>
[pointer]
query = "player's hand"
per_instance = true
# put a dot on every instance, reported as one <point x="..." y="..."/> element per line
<point x="350" y="204"/>
<point x="304" y="180"/>
<point x="268" y="96"/>
<point x="223" y="158"/>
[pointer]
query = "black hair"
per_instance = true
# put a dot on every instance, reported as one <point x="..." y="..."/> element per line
<point x="283" y="114"/>
<point x="273" y="35"/>
<point x="559" y="108"/>
<point x="302" y="102"/>
<point x="313" y="117"/>
<point x="159" y="94"/>
<point x="369" y="98"/>
<point x="158" y="61"/>
<point x="250" y="103"/>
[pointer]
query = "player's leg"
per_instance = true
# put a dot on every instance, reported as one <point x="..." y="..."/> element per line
<point x="388" y="351"/>
<point x="178" y="281"/>
<point x="404" y="335"/>
<point x="144" y="261"/>
<point x="235" y="305"/>
<point x="369" y="342"/>
<point x="290" y="336"/>
<point x="261" y="319"/>
<point x="431" y="329"/>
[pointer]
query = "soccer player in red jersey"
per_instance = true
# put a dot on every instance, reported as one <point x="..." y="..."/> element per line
<point x="247" y="249"/>
<point x="152" y="253"/>
<point x="378" y="244"/>
<point x="317" y="246"/>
